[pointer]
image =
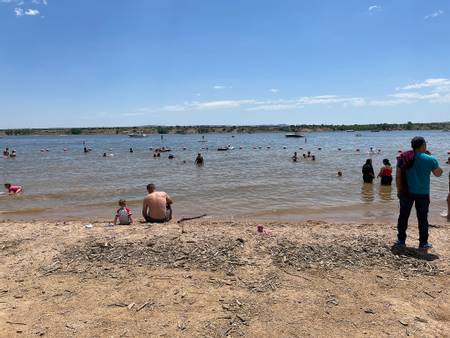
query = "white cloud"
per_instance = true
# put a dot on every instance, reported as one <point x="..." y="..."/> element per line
<point x="438" y="84"/>
<point x="389" y="102"/>
<point x="434" y="14"/>
<point x="433" y="90"/>
<point x="273" y="90"/>
<point x="374" y="8"/>
<point x="32" y="12"/>
<point x="220" y="87"/>
<point x="275" y="106"/>
<point x="18" y="11"/>
<point x="416" y="96"/>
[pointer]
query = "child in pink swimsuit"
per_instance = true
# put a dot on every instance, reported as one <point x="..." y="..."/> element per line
<point x="123" y="214"/>
<point x="13" y="189"/>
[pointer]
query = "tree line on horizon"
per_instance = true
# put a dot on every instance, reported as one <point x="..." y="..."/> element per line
<point x="205" y="129"/>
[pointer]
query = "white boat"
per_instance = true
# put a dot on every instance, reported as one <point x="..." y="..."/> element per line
<point x="138" y="134"/>
<point x="296" y="134"/>
<point x="225" y="148"/>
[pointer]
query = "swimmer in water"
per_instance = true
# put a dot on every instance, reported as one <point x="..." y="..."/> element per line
<point x="104" y="154"/>
<point x="199" y="160"/>
<point x="13" y="189"/>
<point x="309" y="154"/>
<point x="295" y="157"/>
<point x="13" y="153"/>
<point x="339" y="174"/>
<point x="313" y="157"/>
<point x="6" y="152"/>
<point x="131" y="150"/>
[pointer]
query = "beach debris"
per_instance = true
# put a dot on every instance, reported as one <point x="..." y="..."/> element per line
<point x="429" y="294"/>
<point x="88" y="226"/>
<point x="421" y="320"/>
<point x="143" y="306"/>
<point x="15" y="323"/>
<point x="333" y="301"/>
<point x="354" y="252"/>
<point x="369" y="311"/>
<point x="118" y="304"/>
<point x="403" y="322"/>
<point x="131" y="305"/>
<point x="184" y="219"/>
<point x="211" y="254"/>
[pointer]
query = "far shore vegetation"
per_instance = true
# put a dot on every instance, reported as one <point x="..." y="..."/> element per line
<point x="204" y="129"/>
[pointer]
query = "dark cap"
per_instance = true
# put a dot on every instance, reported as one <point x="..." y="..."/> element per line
<point x="417" y="142"/>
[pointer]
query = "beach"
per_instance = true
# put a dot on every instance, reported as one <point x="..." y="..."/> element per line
<point x="218" y="277"/>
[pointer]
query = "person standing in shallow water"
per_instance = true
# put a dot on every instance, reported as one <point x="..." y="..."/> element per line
<point x="199" y="160"/>
<point x="414" y="168"/>
<point x="367" y="171"/>
<point x="386" y="173"/>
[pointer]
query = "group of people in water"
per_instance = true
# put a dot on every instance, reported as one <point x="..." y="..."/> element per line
<point x="413" y="171"/>
<point x="307" y="156"/>
<point x="385" y="173"/>
<point x="9" y="153"/>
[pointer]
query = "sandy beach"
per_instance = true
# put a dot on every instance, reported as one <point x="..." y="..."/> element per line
<point x="220" y="278"/>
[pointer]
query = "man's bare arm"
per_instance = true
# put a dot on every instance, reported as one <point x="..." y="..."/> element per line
<point x="145" y="208"/>
<point x="438" y="172"/>
<point x="168" y="200"/>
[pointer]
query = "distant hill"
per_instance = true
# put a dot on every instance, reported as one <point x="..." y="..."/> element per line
<point x="204" y="129"/>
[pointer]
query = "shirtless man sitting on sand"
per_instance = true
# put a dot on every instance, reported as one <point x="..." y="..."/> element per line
<point x="156" y="207"/>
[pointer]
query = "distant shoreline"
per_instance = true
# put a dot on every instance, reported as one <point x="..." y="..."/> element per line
<point x="205" y="129"/>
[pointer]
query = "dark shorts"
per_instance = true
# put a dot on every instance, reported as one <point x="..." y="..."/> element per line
<point x="386" y="180"/>
<point x="166" y="219"/>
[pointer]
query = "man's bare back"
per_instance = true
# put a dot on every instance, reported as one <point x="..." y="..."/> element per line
<point x="156" y="206"/>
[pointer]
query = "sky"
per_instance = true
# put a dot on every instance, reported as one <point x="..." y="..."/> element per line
<point x="80" y="63"/>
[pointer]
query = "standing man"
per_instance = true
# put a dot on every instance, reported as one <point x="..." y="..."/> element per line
<point x="413" y="187"/>
<point x="156" y="207"/>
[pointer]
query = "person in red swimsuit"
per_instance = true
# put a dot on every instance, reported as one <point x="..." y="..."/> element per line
<point x="13" y="189"/>
<point x="386" y="173"/>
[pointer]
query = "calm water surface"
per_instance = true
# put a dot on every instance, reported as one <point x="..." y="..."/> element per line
<point x="247" y="182"/>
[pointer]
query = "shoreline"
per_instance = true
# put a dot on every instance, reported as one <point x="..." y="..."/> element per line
<point x="219" y="277"/>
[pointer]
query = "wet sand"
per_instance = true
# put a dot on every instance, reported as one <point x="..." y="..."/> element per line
<point x="218" y="278"/>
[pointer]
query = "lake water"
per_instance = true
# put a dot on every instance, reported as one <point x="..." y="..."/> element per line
<point x="260" y="183"/>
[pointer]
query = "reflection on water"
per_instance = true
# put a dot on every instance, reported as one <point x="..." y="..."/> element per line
<point x="385" y="193"/>
<point x="257" y="177"/>
<point x="367" y="194"/>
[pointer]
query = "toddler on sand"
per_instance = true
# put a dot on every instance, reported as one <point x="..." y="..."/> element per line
<point x="123" y="215"/>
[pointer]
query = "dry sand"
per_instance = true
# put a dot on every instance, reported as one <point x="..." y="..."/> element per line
<point x="220" y="278"/>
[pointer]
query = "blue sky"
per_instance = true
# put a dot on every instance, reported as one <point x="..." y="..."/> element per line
<point x="67" y="63"/>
